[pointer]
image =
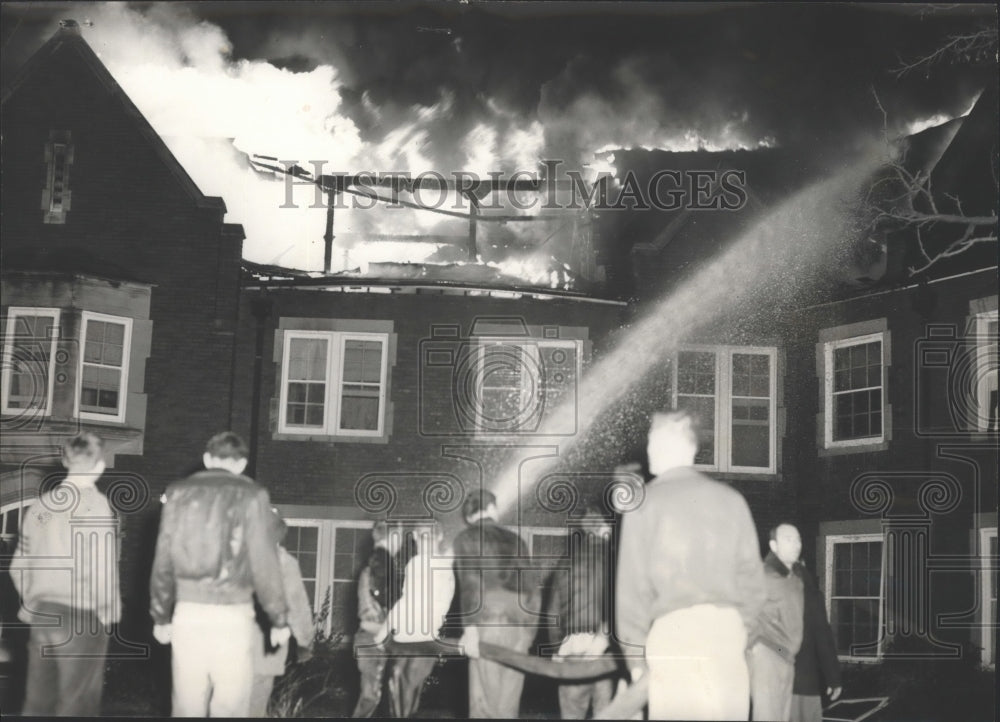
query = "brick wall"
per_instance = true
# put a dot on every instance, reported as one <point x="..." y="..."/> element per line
<point x="131" y="218"/>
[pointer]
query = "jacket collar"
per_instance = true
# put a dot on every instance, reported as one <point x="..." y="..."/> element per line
<point x="772" y="562"/>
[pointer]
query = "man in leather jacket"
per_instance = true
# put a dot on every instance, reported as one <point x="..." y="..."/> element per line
<point x="216" y="548"/>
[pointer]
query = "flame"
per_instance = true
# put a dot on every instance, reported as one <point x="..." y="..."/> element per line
<point x="537" y="269"/>
<point x="180" y="73"/>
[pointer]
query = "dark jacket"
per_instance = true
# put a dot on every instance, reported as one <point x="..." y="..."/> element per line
<point x="692" y="541"/>
<point x="216" y="545"/>
<point x="580" y="600"/>
<point x="816" y="664"/>
<point x="385" y="577"/>
<point x="494" y="575"/>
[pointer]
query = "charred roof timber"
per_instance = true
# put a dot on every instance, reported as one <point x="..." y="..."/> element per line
<point x="473" y="189"/>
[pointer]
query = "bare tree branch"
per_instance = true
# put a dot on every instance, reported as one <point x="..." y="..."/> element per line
<point x="970" y="47"/>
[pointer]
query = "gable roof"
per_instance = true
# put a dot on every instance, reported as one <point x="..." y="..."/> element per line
<point x="68" y="45"/>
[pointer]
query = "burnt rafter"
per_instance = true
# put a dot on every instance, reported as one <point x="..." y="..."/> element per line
<point x="365" y="185"/>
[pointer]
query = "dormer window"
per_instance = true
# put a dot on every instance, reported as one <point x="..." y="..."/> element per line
<point x="58" y="159"/>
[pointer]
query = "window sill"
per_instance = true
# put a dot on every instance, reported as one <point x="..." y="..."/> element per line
<point x="744" y="475"/>
<point x="22" y="444"/>
<point x="854" y="449"/>
<point x="330" y="439"/>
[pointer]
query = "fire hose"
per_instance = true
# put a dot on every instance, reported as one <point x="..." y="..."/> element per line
<point x="625" y="704"/>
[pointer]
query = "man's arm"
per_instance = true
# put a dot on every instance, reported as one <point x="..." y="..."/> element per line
<point x="162" y="583"/>
<point x="262" y="553"/>
<point x="468" y="575"/>
<point x="634" y="593"/>
<point x="750" y="591"/>
<point x="109" y="602"/>
<point x="300" y="617"/>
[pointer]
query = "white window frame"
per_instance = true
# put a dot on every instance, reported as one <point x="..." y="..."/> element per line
<point x="529" y="346"/>
<point x="324" y="563"/>
<point x="119" y="417"/>
<point x="833" y="539"/>
<point x="336" y="342"/>
<point x="724" y="406"/>
<point x="828" y="395"/>
<point x="987" y="625"/>
<point x="986" y="357"/>
<point x="16" y="505"/>
<point x="13" y="313"/>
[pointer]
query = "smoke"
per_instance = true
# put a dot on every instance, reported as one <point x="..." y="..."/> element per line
<point x="481" y="89"/>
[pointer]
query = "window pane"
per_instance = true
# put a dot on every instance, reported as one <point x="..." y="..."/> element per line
<point x="306" y="404"/>
<point x="307" y="359"/>
<point x="309" y="537"/>
<point x="359" y="409"/>
<point x="29" y="361"/>
<point x="751" y="433"/>
<point x="307" y="564"/>
<point x="703" y="410"/>
<point x="362" y="361"/>
<point x="856" y="595"/>
<point x="92" y="351"/>
<point x="344" y="541"/>
<point x="696" y="372"/>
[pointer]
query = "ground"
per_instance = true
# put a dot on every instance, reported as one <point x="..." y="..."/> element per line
<point x="326" y="686"/>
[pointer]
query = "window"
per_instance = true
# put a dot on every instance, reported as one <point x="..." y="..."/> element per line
<point x="854" y="391"/>
<point x="986" y="371"/>
<point x="352" y="546"/>
<point x="29" y="360"/>
<point x="103" y="372"/>
<point x="302" y="542"/>
<point x="732" y="393"/>
<point x="855" y="592"/>
<point x="56" y="194"/>
<point x="333" y="383"/>
<point x="988" y="555"/>
<point x="10" y="524"/>
<point x="517" y="384"/>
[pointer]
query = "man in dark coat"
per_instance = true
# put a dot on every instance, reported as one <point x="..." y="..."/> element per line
<point x="497" y="606"/>
<point x="580" y="605"/>
<point x="378" y="589"/>
<point x="816" y="665"/>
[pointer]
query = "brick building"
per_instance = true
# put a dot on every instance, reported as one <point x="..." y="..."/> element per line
<point x="119" y="296"/>
<point x="858" y="401"/>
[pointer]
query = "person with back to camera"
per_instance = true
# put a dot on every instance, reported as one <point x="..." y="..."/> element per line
<point x="496" y="606"/>
<point x="216" y="549"/>
<point x="73" y="524"/>
<point x="690" y="583"/>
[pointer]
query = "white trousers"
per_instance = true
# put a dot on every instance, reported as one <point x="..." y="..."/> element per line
<point x="697" y="665"/>
<point x="212" y="659"/>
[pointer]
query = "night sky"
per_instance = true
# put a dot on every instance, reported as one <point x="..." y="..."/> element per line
<point x="499" y="86"/>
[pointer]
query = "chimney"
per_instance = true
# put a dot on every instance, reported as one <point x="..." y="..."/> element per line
<point x="69" y="27"/>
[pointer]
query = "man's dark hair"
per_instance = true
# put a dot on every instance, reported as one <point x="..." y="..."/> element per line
<point x="86" y="446"/>
<point x="772" y="533"/>
<point x="227" y="445"/>
<point x="476" y="501"/>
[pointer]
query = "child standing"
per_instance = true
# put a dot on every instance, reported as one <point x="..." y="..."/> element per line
<point x="66" y="571"/>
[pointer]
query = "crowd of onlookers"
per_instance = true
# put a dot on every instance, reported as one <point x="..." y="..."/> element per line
<point x="678" y="598"/>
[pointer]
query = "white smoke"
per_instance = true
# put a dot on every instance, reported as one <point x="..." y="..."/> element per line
<point x="213" y="111"/>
